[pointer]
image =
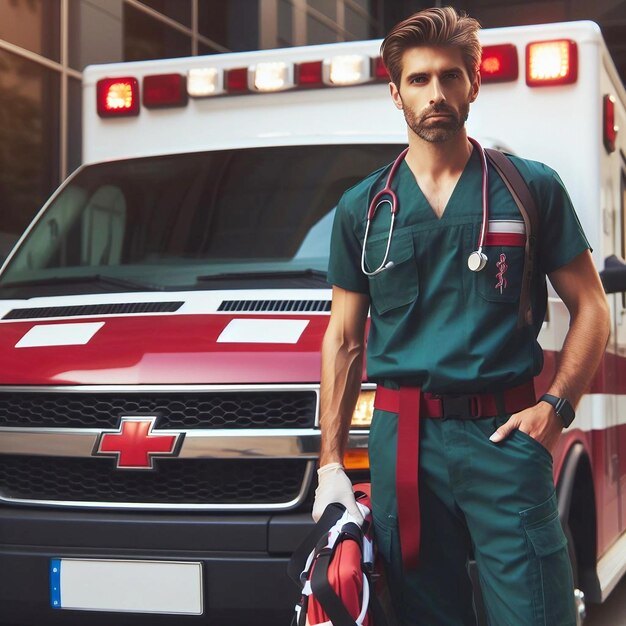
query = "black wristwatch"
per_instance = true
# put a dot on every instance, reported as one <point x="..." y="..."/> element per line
<point x="562" y="408"/>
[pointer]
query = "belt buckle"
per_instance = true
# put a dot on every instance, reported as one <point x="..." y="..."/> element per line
<point x="461" y="406"/>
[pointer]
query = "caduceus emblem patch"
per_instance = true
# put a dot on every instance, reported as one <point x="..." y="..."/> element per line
<point x="502" y="268"/>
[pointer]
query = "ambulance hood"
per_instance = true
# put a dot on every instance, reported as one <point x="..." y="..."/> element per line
<point x="227" y="337"/>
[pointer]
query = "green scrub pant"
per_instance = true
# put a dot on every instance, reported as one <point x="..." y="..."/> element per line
<point x="498" y="499"/>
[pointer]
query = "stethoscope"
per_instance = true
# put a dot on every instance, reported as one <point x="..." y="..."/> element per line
<point x="476" y="260"/>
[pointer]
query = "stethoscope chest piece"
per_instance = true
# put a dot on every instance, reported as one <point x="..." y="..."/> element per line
<point x="477" y="261"/>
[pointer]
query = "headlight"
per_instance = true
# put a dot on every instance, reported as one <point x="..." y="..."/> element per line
<point x="364" y="409"/>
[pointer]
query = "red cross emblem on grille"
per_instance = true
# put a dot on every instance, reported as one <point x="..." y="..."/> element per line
<point x="135" y="444"/>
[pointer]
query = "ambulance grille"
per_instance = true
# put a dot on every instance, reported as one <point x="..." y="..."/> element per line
<point x="121" y="308"/>
<point x="185" y="410"/>
<point x="275" y="306"/>
<point x="178" y="482"/>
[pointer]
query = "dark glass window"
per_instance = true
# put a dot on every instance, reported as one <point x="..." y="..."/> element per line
<point x="204" y="49"/>
<point x="29" y="138"/>
<point x="148" y="38"/>
<point x="316" y="32"/>
<point x="32" y="24"/>
<point x="357" y="24"/>
<point x="74" y="126"/>
<point x="285" y="23"/>
<point x="327" y="7"/>
<point x="213" y="20"/>
<point x="179" y="10"/>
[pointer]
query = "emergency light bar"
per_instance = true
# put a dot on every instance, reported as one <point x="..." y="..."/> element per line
<point x="550" y="63"/>
<point x="547" y="63"/>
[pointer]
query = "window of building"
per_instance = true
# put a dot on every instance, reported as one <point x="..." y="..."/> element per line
<point x="326" y="7"/>
<point x="284" y="26"/>
<point x="213" y="20"/>
<point x="32" y="24"/>
<point x="179" y="10"/>
<point x="74" y="125"/>
<point x="29" y="137"/>
<point x="317" y="32"/>
<point x="357" y="24"/>
<point x="148" y="38"/>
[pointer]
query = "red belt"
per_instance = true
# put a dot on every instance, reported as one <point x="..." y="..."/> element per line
<point x="408" y="403"/>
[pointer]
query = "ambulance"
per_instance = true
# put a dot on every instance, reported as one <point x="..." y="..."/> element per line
<point x="162" y="316"/>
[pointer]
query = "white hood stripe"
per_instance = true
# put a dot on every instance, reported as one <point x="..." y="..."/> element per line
<point x="43" y="335"/>
<point x="263" y="331"/>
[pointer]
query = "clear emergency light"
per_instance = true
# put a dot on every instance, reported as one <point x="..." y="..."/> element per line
<point x="270" y="77"/>
<point x="499" y="63"/>
<point x="117" y="97"/>
<point x="204" y="82"/>
<point x="352" y="69"/>
<point x="610" y="128"/>
<point x="551" y="63"/>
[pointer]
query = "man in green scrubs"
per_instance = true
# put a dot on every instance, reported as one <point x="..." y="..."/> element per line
<point x="446" y="343"/>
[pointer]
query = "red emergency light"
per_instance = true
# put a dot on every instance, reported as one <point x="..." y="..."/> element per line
<point x="499" y="64"/>
<point x="117" y="97"/>
<point x="309" y="74"/>
<point x="379" y="71"/>
<point x="164" y="90"/>
<point x="609" y="126"/>
<point x="550" y="63"/>
<point x="236" y="80"/>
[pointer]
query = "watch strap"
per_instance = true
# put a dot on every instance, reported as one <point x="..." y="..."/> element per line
<point x="562" y="408"/>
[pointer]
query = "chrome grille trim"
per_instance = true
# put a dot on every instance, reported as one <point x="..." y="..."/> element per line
<point x="197" y="444"/>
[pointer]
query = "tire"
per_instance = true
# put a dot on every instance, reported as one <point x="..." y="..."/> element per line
<point x="579" y="596"/>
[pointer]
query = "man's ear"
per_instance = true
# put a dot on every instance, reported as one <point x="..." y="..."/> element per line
<point x="475" y="86"/>
<point x="395" y="96"/>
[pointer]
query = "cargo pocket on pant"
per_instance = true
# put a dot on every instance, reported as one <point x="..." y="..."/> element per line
<point x="387" y="538"/>
<point x="550" y="570"/>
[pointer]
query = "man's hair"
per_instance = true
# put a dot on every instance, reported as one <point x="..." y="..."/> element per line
<point x="432" y="27"/>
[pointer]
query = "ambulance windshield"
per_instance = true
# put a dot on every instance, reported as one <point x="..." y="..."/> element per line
<point x="211" y="220"/>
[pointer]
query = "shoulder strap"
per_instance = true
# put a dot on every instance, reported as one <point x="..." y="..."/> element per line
<point x="525" y="202"/>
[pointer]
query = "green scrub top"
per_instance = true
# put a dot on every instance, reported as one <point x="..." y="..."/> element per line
<point x="435" y="323"/>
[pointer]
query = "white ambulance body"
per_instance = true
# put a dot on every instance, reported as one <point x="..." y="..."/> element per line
<point x="161" y="322"/>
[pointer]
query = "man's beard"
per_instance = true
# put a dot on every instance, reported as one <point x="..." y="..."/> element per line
<point x="440" y="130"/>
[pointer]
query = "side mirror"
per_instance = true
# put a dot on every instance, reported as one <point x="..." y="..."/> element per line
<point x="614" y="275"/>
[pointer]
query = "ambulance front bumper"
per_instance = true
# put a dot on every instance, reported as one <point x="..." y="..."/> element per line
<point x="242" y="559"/>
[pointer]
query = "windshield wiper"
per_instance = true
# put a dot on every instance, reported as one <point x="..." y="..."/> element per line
<point x="308" y="273"/>
<point x="90" y="278"/>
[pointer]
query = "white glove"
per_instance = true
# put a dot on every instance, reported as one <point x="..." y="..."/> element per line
<point x="334" y="486"/>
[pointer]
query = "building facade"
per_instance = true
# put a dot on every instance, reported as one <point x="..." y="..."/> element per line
<point x="45" y="45"/>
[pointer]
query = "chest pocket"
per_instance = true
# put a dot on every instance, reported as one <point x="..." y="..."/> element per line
<point x="398" y="285"/>
<point x="501" y="279"/>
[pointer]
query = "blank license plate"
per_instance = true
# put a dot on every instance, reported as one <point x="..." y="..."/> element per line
<point x="170" y="587"/>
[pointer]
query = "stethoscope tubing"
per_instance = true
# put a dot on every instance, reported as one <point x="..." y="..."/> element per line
<point x="391" y="199"/>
